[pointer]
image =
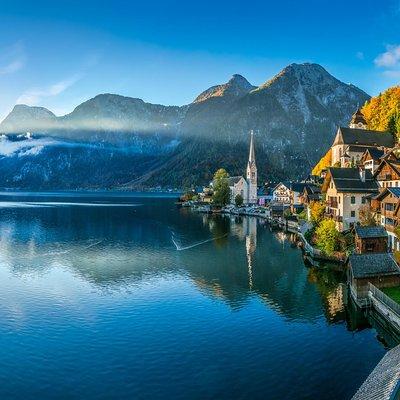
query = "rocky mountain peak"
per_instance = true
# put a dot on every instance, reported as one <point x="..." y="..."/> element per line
<point x="25" y="118"/>
<point x="237" y="86"/>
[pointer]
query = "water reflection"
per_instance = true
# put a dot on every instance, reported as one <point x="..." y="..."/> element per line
<point x="228" y="304"/>
<point x="229" y="258"/>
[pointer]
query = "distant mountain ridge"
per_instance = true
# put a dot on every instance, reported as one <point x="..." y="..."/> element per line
<point x="294" y="116"/>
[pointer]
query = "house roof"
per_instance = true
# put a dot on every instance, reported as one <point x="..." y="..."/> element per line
<point x="365" y="232"/>
<point x="395" y="191"/>
<point x="394" y="165"/>
<point x="363" y="137"/>
<point x="349" y="180"/>
<point x="373" y="264"/>
<point x="382" y="383"/>
<point x="375" y="153"/>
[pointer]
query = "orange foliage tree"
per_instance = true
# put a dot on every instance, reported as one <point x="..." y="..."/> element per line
<point x="323" y="163"/>
<point x="382" y="112"/>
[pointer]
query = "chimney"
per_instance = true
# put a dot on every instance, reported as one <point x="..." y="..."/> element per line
<point x="362" y="175"/>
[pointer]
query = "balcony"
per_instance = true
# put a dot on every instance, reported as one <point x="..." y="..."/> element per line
<point x="332" y="204"/>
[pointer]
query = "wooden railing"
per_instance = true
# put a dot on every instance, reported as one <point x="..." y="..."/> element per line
<point x="384" y="298"/>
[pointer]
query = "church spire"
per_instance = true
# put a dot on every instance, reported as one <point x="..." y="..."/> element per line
<point x="251" y="173"/>
<point x="252" y="157"/>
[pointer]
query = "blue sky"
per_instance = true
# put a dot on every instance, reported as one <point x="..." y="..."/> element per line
<point x="59" y="53"/>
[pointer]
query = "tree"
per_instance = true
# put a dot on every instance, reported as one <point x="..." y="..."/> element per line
<point x="327" y="236"/>
<point x="317" y="212"/>
<point x="323" y="163"/>
<point x="222" y="193"/>
<point x="238" y="200"/>
<point x="366" y="216"/>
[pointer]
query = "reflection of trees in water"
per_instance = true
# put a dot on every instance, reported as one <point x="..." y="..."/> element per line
<point x="329" y="283"/>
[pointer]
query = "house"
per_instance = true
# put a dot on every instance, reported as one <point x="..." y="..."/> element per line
<point x="350" y="143"/>
<point x="289" y="193"/>
<point x="371" y="239"/>
<point x="388" y="173"/>
<point x="310" y="193"/>
<point x="246" y="187"/>
<point x="372" y="158"/>
<point x="264" y="195"/>
<point x="346" y="190"/>
<point x="281" y="193"/>
<point x="388" y="210"/>
<point x="380" y="269"/>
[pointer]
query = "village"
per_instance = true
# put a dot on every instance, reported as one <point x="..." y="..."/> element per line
<point x="347" y="211"/>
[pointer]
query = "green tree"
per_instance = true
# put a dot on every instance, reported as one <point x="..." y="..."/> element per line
<point x="222" y="193"/>
<point x="327" y="236"/>
<point x="238" y="200"/>
<point x="317" y="212"/>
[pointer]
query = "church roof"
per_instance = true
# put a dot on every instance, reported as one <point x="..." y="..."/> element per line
<point x="363" y="137"/>
<point x="233" y="180"/>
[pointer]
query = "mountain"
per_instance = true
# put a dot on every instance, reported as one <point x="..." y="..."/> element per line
<point x="126" y="142"/>
<point x="236" y="87"/>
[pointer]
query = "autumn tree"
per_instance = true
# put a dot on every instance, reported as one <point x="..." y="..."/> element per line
<point x="221" y="196"/>
<point x="366" y="216"/>
<point x="317" y="212"/>
<point x="382" y="112"/>
<point x="327" y="236"/>
<point x="323" y="163"/>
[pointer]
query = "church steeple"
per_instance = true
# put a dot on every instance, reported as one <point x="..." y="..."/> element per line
<point x="252" y="157"/>
<point x="251" y="172"/>
<point x="358" y="121"/>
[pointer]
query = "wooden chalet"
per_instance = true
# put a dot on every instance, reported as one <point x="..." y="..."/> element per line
<point x="380" y="269"/>
<point x="370" y="239"/>
<point x="371" y="158"/>
<point x="388" y="173"/>
<point x="387" y="206"/>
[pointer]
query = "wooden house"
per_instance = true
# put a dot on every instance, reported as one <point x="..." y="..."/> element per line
<point x="378" y="268"/>
<point x="371" y="158"/>
<point x="371" y="239"/>
<point x="388" y="213"/>
<point x="388" y="173"/>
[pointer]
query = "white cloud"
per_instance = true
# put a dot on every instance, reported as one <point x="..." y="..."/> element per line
<point x="34" y="96"/>
<point x="12" y="59"/>
<point x="12" y="67"/>
<point x="390" y="58"/>
<point x="360" y="55"/>
<point x="392" y="74"/>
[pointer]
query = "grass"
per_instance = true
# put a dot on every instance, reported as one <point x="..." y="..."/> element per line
<point x="393" y="293"/>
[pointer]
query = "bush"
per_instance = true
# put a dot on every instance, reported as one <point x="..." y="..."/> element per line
<point x="327" y="236"/>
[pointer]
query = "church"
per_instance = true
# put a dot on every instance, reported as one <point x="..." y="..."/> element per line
<point x="246" y="187"/>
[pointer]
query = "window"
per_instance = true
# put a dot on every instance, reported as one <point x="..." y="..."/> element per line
<point x="363" y="200"/>
<point x="353" y="214"/>
<point x="353" y="200"/>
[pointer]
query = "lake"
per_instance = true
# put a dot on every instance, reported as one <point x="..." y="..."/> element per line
<point x="126" y="296"/>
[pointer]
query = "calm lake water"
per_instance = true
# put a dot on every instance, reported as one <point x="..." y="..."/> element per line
<point x="127" y="297"/>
